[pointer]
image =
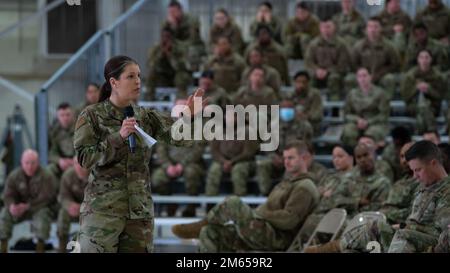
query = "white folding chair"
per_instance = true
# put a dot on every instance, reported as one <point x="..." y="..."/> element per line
<point x="329" y="226"/>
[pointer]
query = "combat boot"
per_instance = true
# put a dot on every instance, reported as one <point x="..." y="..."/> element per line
<point x="330" y="247"/>
<point x="62" y="244"/>
<point x="189" y="231"/>
<point x="40" y="246"/>
<point x="4" y="246"/>
<point x="189" y="211"/>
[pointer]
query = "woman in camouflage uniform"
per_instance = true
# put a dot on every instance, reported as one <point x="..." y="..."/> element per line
<point x="117" y="212"/>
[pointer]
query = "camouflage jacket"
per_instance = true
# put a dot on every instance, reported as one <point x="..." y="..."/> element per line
<point x="227" y="71"/>
<point x="349" y="26"/>
<point x="246" y="96"/>
<point x="271" y="76"/>
<point x="340" y="197"/>
<point x="275" y="25"/>
<point x="274" y="56"/>
<point x="71" y="189"/>
<point x="430" y="211"/>
<point x="373" y="107"/>
<point x="119" y="181"/>
<point x="380" y="58"/>
<point x="188" y="30"/>
<point x="330" y="55"/>
<point x="388" y="21"/>
<point x="232" y="31"/>
<point x="437" y="21"/>
<point x="61" y="144"/>
<point x="437" y="49"/>
<point x="295" y="28"/>
<point x="38" y="191"/>
<point x="309" y="102"/>
<point x="289" y="203"/>
<point x="398" y="203"/>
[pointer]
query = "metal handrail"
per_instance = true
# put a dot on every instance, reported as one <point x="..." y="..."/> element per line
<point x="16" y="89"/>
<point x="37" y="14"/>
<point x="98" y="35"/>
<point x="135" y="8"/>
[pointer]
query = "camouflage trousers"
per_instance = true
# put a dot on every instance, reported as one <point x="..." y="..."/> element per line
<point x="192" y="174"/>
<point x="240" y="172"/>
<point x="388" y="82"/>
<point x="266" y="172"/>
<point x="41" y="221"/>
<point x="443" y="245"/>
<point x="334" y="84"/>
<point x="351" y="133"/>
<point x="391" y="241"/>
<point x="104" y="233"/>
<point x="63" y="223"/>
<point x="233" y="225"/>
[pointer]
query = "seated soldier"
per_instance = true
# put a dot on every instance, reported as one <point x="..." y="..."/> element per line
<point x="235" y="157"/>
<point x="436" y="16"/>
<point x="391" y="153"/>
<point x="291" y="127"/>
<point x="379" y="56"/>
<point x="61" y="152"/>
<point x="368" y="188"/>
<point x="272" y="226"/>
<point x="176" y="162"/>
<point x="429" y="217"/>
<point x="255" y="92"/>
<point x="333" y="189"/>
<point x="227" y="65"/>
<point x="167" y="65"/>
<point x="327" y="60"/>
<point x="350" y="23"/>
<point x="216" y="95"/>
<point x="423" y="89"/>
<point x="396" y="24"/>
<point x="225" y="26"/>
<point x="366" y="110"/>
<point x="300" y="30"/>
<point x="71" y="194"/>
<point x="273" y="52"/>
<point x="420" y="40"/>
<point x="186" y="31"/>
<point x="381" y="165"/>
<point x="398" y="203"/>
<point x="29" y="190"/>
<point x="271" y="76"/>
<point x="265" y="16"/>
<point x="307" y="101"/>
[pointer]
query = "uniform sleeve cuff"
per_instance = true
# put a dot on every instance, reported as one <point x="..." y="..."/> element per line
<point x="116" y="140"/>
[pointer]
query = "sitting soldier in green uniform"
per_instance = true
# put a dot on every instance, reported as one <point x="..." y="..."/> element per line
<point x="91" y="96"/>
<point x="265" y="16"/>
<point x="429" y="214"/>
<point x="436" y="16"/>
<point x="300" y="30"/>
<point x="398" y="203"/>
<point x="327" y="60"/>
<point x="225" y="26"/>
<point x="333" y="189"/>
<point x="271" y="76"/>
<point x="71" y="194"/>
<point x="350" y="23"/>
<point x="396" y="24"/>
<point x="29" y="190"/>
<point x="378" y="55"/>
<point x="381" y="165"/>
<point x="366" y="111"/>
<point x="186" y="31"/>
<point x="227" y="65"/>
<point x="391" y="153"/>
<point x="270" y="227"/>
<point x="61" y="150"/>
<point x="235" y="157"/>
<point x="273" y="53"/>
<point x="167" y="65"/>
<point x="423" y="89"/>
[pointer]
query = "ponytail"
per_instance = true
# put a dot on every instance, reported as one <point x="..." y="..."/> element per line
<point x="105" y="91"/>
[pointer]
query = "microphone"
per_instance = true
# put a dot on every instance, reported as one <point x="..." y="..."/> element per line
<point x="129" y="113"/>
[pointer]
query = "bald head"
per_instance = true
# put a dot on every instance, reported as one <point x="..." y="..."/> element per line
<point x="29" y="162"/>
